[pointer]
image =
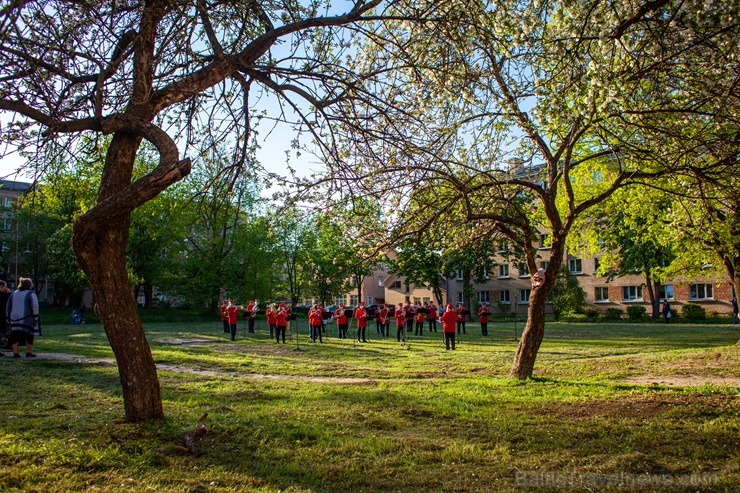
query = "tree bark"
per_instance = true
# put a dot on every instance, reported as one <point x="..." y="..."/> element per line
<point x="534" y="332"/>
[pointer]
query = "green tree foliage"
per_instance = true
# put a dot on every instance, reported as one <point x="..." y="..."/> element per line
<point x="567" y="295"/>
<point x="420" y="265"/>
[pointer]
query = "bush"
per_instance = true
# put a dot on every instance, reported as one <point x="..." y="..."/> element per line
<point x="636" y="312"/>
<point x="612" y="314"/>
<point x="591" y="313"/>
<point x="693" y="312"/>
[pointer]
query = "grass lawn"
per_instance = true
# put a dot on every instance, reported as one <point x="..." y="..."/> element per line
<point x="613" y="407"/>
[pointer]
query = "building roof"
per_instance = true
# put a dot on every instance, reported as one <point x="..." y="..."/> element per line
<point x="15" y="186"/>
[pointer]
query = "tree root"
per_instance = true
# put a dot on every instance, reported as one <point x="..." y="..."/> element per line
<point x="189" y="438"/>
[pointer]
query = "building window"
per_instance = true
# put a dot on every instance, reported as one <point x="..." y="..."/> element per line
<point x="503" y="297"/>
<point x="544" y="265"/>
<point x="8" y="202"/>
<point x="701" y="292"/>
<point x="459" y="275"/>
<point x="6" y="224"/>
<point x="525" y="295"/>
<point x="6" y="246"/>
<point x="340" y="300"/>
<point x="482" y="296"/>
<point x="396" y="284"/>
<point x="503" y="270"/>
<point x="632" y="293"/>
<point x="545" y="240"/>
<point x="353" y="300"/>
<point x="369" y="300"/>
<point x="601" y="294"/>
<point x="380" y="280"/>
<point x="460" y="298"/>
<point x="575" y="265"/>
<point x="523" y="270"/>
<point x="502" y="247"/>
<point x="666" y="292"/>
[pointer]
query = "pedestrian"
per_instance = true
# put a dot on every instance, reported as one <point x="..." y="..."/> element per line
<point x="251" y="315"/>
<point x="461" y="317"/>
<point x="410" y="313"/>
<point x="432" y="316"/>
<point x="361" y="317"/>
<point x="383" y="320"/>
<point x="420" y="317"/>
<point x="448" y="319"/>
<point x="22" y="313"/>
<point x="734" y="311"/>
<point x="483" y="313"/>
<point x="340" y="316"/>
<point x="314" y="322"/>
<point x="667" y="311"/>
<point x="232" y="312"/>
<point x="4" y="295"/>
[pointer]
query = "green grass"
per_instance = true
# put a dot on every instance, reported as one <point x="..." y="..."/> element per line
<point x="415" y="418"/>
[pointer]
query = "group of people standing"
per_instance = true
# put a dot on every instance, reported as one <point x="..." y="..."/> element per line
<point x="21" y="322"/>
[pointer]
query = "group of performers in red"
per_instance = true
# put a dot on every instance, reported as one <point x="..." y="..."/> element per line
<point x="408" y="318"/>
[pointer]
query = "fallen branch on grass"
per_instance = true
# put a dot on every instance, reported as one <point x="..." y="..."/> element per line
<point x="190" y="437"/>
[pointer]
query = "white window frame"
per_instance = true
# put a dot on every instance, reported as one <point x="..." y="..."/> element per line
<point x="340" y="300"/>
<point x="543" y="241"/>
<point x="575" y="266"/>
<point x="524" y="295"/>
<point x="482" y="296"/>
<point x="698" y="292"/>
<point x="460" y="297"/>
<point x="503" y="271"/>
<point x="353" y="300"/>
<point x="665" y="288"/>
<point x="504" y="297"/>
<point x="523" y="269"/>
<point x="459" y="275"/>
<point x="599" y="294"/>
<point x="628" y="290"/>
<point x="368" y="300"/>
<point x="502" y="247"/>
<point x="380" y="280"/>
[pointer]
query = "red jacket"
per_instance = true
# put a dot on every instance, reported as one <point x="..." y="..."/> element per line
<point x="341" y="316"/>
<point x="314" y="317"/>
<point x="270" y="314"/>
<point x="400" y="317"/>
<point x="448" y="319"/>
<point x="281" y="318"/>
<point x="483" y="314"/>
<point x="433" y="312"/>
<point x="233" y="312"/>
<point x="361" y="316"/>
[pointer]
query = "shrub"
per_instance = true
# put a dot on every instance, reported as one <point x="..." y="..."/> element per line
<point x="612" y="314"/>
<point x="693" y="311"/>
<point x="591" y="313"/>
<point x="636" y="312"/>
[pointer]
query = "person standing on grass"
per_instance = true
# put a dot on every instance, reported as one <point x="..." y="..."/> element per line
<point x="667" y="311"/>
<point x="4" y="295"/>
<point x="314" y="321"/>
<point x="340" y="316"/>
<point x="400" y="317"/>
<point x="232" y="311"/>
<point x="432" y="316"/>
<point x="224" y="315"/>
<point x="408" y="310"/>
<point x="734" y="311"/>
<point x="361" y="316"/>
<point x="22" y="314"/>
<point x="383" y="320"/>
<point x="270" y="315"/>
<point x="420" y="317"/>
<point x="251" y="315"/>
<point x="461" y="318"/>
<point x="448" y="319"/>
<point x="281" y="322"/>
<point x="483" y="313"/>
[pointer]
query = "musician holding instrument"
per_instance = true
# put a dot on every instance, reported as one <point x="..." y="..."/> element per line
<point x="461" y="317"/>
<point x="361" y="316"/>
<point x="400" y="317"/>
<point x="251" y="315"/>
<point x="314" y="321"/>
<point x="281" y="322"/>
<point x="224" y="315"/>
<point x="420" y="317"/>
<point x="432" y="316"/>
<point x="410" y="313"/>
<point x="270" y="314"/>
<point x="383" y="320"/>
<point x="232" y="312"/>
<point x="448" y="319"/>
<point x="483" y="313"/>
<point x="340" y="316"/>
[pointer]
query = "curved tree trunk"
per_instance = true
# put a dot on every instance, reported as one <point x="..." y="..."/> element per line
<point x="534" y="331"/>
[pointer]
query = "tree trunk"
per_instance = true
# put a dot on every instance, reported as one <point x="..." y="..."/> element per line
<point x="534" y="331"/>
<point x="99" y="243"/>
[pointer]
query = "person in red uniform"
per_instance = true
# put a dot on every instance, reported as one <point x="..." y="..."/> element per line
<point x="251" y="315"/>
<point x="410" y="313"/>
<point x="400" y="317"/>
<point x="383" y="320"/>
<point x="224" y="315"/>
<point x="432" y="316"/>
<point x="483" y="313"/>
<point x="314" y="321"/>
<point x="233" y="313"/>
<point x="340" y="316"/>
<point x="420" y="317"/>
<point x="271" y="320"/>
<point x="281" y="322"/>
<point x="448" y="319"/>
<point x="361" y="316"/>
<point x="461" y="318"/>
